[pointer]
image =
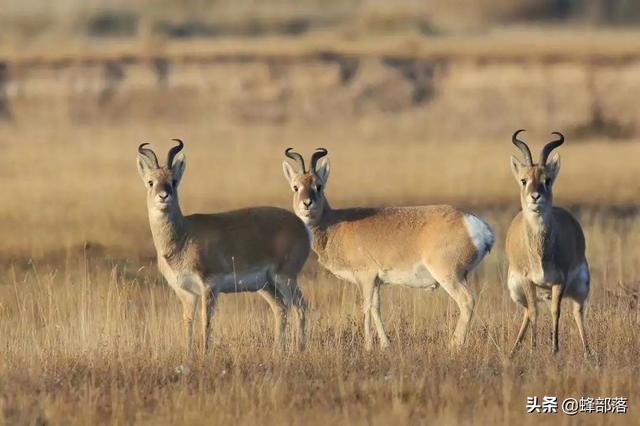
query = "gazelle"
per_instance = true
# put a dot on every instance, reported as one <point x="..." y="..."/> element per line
<point x="545" y="246"/>
<point x="202" y="255"/>
<point x="418" y="247"/>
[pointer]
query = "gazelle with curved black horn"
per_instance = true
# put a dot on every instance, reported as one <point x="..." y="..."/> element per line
<point x="418" y="247"/>
<point x="258" y="249"/>
<point x="545" y="246"/>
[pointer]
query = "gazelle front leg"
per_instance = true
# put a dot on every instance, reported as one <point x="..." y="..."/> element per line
<point x="367" y="285"/>
<point x="189" y="302"/>
<point x="517" y="284"/>
<point x="532" y="310"/>
<point x="208" y="307"/>
<point x="556" y="299"/>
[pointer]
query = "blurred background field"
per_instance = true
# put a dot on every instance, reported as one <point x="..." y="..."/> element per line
<point x="416" y="102"/>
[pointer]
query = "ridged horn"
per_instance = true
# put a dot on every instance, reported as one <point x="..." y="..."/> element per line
<point x="148" y="155"/>
<point x="523" y="147"/>
<point x="173" y="152"/>
<point x="544" y="155"/>
<point x="318" y="154"/>
<point x="289" y="152"/>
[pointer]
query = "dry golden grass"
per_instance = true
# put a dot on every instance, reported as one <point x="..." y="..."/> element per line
<point x="88" y="337"/>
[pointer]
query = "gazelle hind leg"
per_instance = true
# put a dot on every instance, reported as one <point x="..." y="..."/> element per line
<point x="523" y="330"/>
<point x="577" y="292"/>
<point x="578" y="316"/>
<point x="293" y="299"/>
<point x="459" y="291"/>
<point x="377" y="319"/>
<point x="300" y="307"/>
<point x="275" y="300"/>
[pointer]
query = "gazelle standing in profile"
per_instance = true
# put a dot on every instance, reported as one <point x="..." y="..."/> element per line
<point x="545" y="246"/>
<point x="258" y="249"/>
<point x="418" y="247"/>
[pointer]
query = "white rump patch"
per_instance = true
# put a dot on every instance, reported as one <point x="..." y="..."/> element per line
<point x="481" y="235"/>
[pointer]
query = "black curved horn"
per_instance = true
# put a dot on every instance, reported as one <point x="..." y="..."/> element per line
<point x="523" y="148"/>
<point x="173" y="152"/>
<point x="550" y="147"/>
<point x="289" y="152"/>
<point x="149" y="155"/>
<point x="318" y="154"/>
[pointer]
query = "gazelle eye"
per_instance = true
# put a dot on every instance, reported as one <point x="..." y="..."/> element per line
<point x="295" y="188"/>
<point x="319" y="188"/>
<point x="547" y="182"/>
<point x="174" y="183"/>
<point x="150" y="183"/>
<point x="523" y="182"/>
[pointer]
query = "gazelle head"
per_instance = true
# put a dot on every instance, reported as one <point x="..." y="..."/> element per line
<point x="161" y="181"/>
<point x="307" y="185"/>
<point x="536" y="180"/>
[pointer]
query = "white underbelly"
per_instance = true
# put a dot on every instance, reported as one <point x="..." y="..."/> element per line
<point x="417" y="276"/>
<point x="252" y="280"/>
<point x="576" y="282"/>
<point x="344" y="274"/>
<point x="246" y="281"/>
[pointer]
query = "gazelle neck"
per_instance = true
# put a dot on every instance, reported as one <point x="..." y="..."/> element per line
<point x="318" y="229"/>
<point x="169" y="231"/>
<point x="539" y="230"/>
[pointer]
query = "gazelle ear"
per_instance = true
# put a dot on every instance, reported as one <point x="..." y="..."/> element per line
<point x="323" y="170"/>
<point x="553" y="166"/>
<point x="143" y="168"/>
<point x="289" y="172"/>
<point x="178" y="166"/>
<point x="516" y="166"/>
